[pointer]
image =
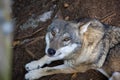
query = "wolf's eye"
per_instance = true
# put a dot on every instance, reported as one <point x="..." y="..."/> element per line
<point x="53" y="33"/>
<point x="67" y="39"/>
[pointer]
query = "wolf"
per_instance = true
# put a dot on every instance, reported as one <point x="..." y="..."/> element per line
<point x="83" y="45"/>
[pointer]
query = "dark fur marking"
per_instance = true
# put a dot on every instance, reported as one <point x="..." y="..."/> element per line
<point x="50" y="70"/>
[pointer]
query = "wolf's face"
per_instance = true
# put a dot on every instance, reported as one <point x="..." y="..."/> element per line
<point x="62" y="39"/>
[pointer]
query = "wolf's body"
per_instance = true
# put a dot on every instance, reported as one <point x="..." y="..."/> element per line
<point x="83" y="45"/>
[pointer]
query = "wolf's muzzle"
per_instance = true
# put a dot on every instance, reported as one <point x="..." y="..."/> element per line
<point x="51" y="52"/>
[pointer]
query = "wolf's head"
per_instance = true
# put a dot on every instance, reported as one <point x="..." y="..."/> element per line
<point x="64" y="38"/>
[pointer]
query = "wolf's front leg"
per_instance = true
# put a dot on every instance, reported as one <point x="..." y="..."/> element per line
<point x="37" y="64"/>
<point x="35" y="74"/>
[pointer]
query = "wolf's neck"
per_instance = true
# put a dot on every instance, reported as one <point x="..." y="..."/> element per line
<point x="113" y="36"/>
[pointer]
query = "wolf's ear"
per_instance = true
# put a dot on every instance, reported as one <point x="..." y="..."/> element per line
<point x="96" y="24"/>
<point x="81" y="26"/>
<point x="84" y="27"/>
<point x="59" y="15"/>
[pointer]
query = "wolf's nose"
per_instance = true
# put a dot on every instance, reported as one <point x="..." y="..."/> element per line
<point x="51" y="52"/>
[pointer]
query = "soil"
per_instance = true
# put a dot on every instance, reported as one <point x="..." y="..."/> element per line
<point x="29" y="43"/>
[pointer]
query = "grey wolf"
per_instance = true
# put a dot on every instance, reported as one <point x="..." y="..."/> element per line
<point x="82" y="45"/>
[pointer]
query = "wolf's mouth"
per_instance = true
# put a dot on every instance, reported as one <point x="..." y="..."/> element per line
<point x="57" y="54"/>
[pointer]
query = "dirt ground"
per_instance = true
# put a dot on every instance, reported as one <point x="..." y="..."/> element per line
<point x="29" y="43"/>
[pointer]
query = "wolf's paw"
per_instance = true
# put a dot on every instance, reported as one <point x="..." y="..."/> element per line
<point x="33" y="65"/>
<point x="115" y="76"/>
<point x="34" y="74"/>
